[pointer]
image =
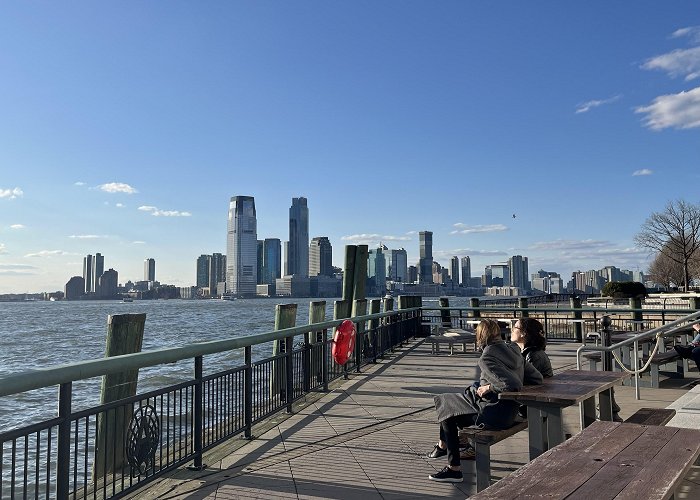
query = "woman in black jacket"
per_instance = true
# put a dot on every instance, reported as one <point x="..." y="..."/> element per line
<point x="529" y="335"/>
<point x="502" y="368"/>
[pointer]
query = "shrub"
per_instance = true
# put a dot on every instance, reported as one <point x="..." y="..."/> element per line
<point x="624" y="289"/>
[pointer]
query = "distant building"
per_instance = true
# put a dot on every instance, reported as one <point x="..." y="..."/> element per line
<point x="298" y="250"/>
<point x="398" y="268"/>
<point x="188" y="292"/>
<point x="412" y="274"/>
<point x="75" y="288"/>
<point x="325" y="286"/>
<point x="217" y="273"/>
<point x="320" y="257"/>
<point x="272" y="261"/>
<point x="293" y="286"/>
<point x="88" y="264"/>
<point x="376" y="270"/>
<point x="98" y="267"/>
<point x="454" y="271"/>
<point x="149" y="270"/>
<point x="500" y="275"/>
<point x="108" y="283"/>
<point x="518" y="273"/>
<point x="425" y="263"/>
<point x="466" y="271"/>
<point x="203" y="263"/>
<point x="241" y="247"/>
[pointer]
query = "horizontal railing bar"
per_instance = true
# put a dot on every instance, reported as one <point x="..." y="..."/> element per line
<point x="560" y="309"/>
<point x="30" y="429"/>
<point x="45" y="377"/>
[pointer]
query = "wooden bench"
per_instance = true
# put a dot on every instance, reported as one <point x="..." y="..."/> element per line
<point x="451" y="337"/>
<point x="483" y="439"/>
<point x="660" y="359"/>
<point x="651" y="416"/>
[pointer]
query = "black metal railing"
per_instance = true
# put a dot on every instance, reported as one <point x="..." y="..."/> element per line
<point x="114" y="449"/>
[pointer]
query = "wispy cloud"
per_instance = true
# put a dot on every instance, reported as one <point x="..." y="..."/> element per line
<point x="488" y="228"/>
<point x="47" y="253"/>
<point x="569" y="244"/>
<point x="79" y="183"/>
<point x="117" y="187"/>
<point x="16" y="269"/>
<point x="2" y="249"/>
<point x="17" y="226"/>
<point x="11" y="194"/>
<point x="679" y="62"/>
<point x="138" y="242"/>
<point x="87" y="236"/>
<point x="119" y="205"/>
<point x="644" y="171"/>
<point x="163" y="213"/>
<point x="471" y="252"/>
<point x="680" y="111"/>
<point x="587" y="106"/>
<point x="692" y="32"/>
<point x="373" y="239"/>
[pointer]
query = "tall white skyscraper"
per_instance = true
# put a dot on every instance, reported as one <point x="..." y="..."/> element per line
<point x="149" y="270"/>
<point x="98" y="268"/>
<point x="298" y="248"/>
<point x="88" y="264"/>
<point x="242" y="247"/>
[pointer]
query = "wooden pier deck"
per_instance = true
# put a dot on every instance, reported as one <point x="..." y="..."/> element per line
<point x="366" y="438"/>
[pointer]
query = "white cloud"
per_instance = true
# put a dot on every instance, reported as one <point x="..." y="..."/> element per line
<point x="644" y="171"/>
<point x="479" y="228"/>
<point x="137" y="242"/>
<point x="86" y="236"/>
<point x="117" y="187"/>
<point x="448" y="254"/>
<point x="163" y="213"/>
<point x="569" y="244"/>
<point x="679" y="62"/>
<point x="680" y="111"/>
<point x="79" y="183"/>
<point x="11" y="194"/>
<point x="692" y="32"/>
<point x="17" y="226"/>
<point x="587" y="106"/>
<point x="372" y="239"/>
<point x="16" y="269"/>
<point x="119" y="205"/>
<point x="2" y="248"/>
<point x="47" y="253"/>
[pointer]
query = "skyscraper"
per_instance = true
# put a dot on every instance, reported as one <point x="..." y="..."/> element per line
<point x="399" y="266"/>
<point x="320" y="257"/>
<point x="272" y="260"/>
<point x="298" y="250"/>
<point x="149" y="270"/>
<point x="88" y="264"/>
<point x="518" y="272"/>
<point x="454" y="271"/>
<point x="466" y="271"/>
<point x="376" y="268"/>
<point x="260" y="259"/>
<point x="241" y="247"/>
<point x="425" y="263"/>
<point x="203" y="262"/>
<point x="98" y="267"/>
<point x="217" y="272"/>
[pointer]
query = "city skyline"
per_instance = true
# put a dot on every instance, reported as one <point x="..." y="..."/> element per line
<point x="544" y="130"/>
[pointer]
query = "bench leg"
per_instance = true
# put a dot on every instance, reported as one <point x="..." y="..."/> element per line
<point x="654" y="371"/>
<point x="605" y="402"/>
<point x="483" y="465"/>
<point x="551" y="416"/>
<point x="535" y="432"/>
<point x="588" y="409"/>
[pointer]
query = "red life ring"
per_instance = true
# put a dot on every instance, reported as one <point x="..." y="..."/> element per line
<point x="343" y="342"/>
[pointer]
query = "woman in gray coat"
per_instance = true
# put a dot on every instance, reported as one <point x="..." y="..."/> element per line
<point x="502" y="369"/>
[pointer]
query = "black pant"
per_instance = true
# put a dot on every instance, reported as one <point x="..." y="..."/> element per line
<point x="449" y="434"/>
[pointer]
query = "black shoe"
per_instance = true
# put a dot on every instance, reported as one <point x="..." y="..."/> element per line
<point x="447" y="475"/>
<point x="436" y="453"/>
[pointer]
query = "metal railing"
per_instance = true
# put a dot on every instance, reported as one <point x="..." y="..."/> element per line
<point x="114" y="449"/>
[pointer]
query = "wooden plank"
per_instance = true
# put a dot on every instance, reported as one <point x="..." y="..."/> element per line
<point x="651" y="416"/>
<point x="546" y="465"/>
<point x="491" y="436"/>
<point x="666" y="470"/>
<point x="618" y="472"/>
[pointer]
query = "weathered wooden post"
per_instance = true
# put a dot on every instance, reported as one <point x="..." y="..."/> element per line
<point x="349" y="272"/>
<point x="312" y="355"/>
<point x="444" y="302"/>
<point x="281" y="381"/>
<point x="360" y="273"/>
<point x="474" y="304"/>
<point x="694" y="303"/>
<point x="636" y="315"/>
<point x="522" y="305"/>
<point x="575" y="303"/>
<point x="124" y="336"/>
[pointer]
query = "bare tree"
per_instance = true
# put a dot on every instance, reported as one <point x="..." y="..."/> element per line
<point x="665" y="271"/>
<point x="675" y="233"/>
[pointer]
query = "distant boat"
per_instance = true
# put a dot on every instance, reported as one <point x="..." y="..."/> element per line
<point x="227" y="296"/>
<point x="127" y="299"/>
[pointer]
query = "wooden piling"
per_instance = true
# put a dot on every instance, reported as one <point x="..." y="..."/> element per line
<point x="124" y="336"/>
<point x="474" y="302"/>
<point x="349" y="272"/>
<point x="317" y="314"/>
<point x="285" y="317"/>
<point x="360" y="273"/>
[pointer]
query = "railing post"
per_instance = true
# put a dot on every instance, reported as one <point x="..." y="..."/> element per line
<point x="522" y="305"/>
<point x="63" y="456"/>
<point x="288" y="361"/>
<point x="198" y="406"/>
<point x="324" y="361"/>
<point x="445" y="318"/>
<point x="374" y="308"/>
<point x="575" y="303"/>
<point x="474" y="303"/>
<point x="636" y="315"/>
<point x="546" y="322"/>
<point x="248" y="393"/>
<point x="306" y="362"/>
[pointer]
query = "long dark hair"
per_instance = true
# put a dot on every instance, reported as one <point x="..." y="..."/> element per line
<point x="534" y="333"/>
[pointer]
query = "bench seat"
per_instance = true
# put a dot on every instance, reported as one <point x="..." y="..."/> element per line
<point x="652" y="416"/>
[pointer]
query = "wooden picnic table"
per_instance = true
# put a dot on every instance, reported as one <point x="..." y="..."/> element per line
<point x="545" y="403"/>
<point x="606" y="460"/>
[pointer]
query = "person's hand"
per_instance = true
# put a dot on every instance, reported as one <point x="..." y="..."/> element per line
<point x="483" y="390"/>
<point x="696" y="327"/>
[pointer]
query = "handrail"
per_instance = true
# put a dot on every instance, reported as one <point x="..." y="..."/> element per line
<point x="45" y="377"/>
<point x="560" y="309"/>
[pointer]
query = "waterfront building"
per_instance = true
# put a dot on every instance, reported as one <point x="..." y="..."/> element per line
<point x="241" y="247"/>
<point x="259" y="253"/>
<point x="293" y="286"/>
<point x="500" y="275"/>
<point x="149" y="269"/>
<point x="203" y="263"/>
<point x="188" y="292"/>
<point x="88" y="264"/>
<point x="376" y="270"/>
<point x="425" y="262"/>
<point x="466" y="271"/>
<point x="487" y="277"/>
<point x="298" y="249"/>
<point x="272" y="261"/>
<point x="518" y="273"/>
<point x="454" y="271"/>
<point x="108" y="283"/>
<point x="325" y="286"/>
<point x="217" y="273"/>
<point x="320" y="257"/>
<point x="75" y="288"/>
<point x="412" y="274"/>
<point x="98" y="267"/>
<point x="398" y="267"/>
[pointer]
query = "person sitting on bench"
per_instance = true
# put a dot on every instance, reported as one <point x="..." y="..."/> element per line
<point x="692" y="350"/>
<point x="502" y="368"/>
<point x="528" y="333"/>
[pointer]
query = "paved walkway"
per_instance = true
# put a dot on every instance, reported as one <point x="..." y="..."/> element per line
<point x="366" y="438"/>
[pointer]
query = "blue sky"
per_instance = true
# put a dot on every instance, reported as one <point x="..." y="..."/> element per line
<point x="126" y="127"/>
